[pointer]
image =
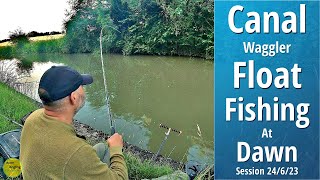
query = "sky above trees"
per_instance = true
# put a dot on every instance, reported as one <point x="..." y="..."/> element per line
<point x="31" y="15"/>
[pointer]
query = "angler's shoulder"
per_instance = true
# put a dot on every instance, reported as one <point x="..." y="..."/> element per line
<point x="34" y="115"/>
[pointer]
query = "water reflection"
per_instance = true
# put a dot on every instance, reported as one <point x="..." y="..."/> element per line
<point x="144" y="92"/>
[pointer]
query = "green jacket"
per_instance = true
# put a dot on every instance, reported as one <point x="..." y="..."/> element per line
<point x="50" y="149"/>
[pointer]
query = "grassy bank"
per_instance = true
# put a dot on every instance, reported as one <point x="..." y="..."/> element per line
<point x="35" y="39"/>
<point x="15" y="105"/>
<point x="138" y="169"/>
<point x="60" y="45"/>
<point x="32" y="47"/>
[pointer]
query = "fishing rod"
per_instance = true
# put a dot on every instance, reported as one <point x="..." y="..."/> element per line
<point x="112" y="127"/>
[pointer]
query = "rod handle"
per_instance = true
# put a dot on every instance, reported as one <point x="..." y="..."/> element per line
<point x="113" y="130"/>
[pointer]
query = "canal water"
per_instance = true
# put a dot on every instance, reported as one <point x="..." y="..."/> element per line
<point x="146" y="91"/>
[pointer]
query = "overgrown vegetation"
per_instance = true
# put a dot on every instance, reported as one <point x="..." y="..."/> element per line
<point x="158" y="27"/>
<point x="22" y="46"/>
<point x="19" y="38"/>
<point x="138" y="169"/>
<point x="155" y="27"/>
<point x="23" y="49"/>
<point x="7" y="52"/>
<point x="45" y="46"/>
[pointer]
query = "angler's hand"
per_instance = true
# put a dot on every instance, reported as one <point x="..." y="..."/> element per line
<point x="115" y="140"/>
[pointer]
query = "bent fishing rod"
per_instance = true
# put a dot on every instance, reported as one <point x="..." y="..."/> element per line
<point x="112" y="127"/>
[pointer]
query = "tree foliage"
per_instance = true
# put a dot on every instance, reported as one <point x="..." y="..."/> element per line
<point x="161" y="27"/>
<point x="18" y="37"/>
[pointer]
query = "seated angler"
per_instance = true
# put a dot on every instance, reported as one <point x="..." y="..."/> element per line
<point x="50" y="148"/>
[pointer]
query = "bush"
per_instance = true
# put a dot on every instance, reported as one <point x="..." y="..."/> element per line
<point x="18" y="37"/>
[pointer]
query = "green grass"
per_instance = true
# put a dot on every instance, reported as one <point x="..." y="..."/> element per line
<point x="138" y="169"/>
<point x="44" y="46"/>
<point x="32" y="48"/>
<point x="14" y="106"/>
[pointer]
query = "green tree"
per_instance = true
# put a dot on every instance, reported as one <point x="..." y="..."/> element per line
<point x="81" y="28"/>
<point x="159" y="27"/>
<point x="18" y="37"/>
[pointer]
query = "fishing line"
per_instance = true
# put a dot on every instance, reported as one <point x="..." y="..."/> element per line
<point x="112" y="127"/>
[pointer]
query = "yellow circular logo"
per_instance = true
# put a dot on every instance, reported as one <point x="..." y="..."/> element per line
<point x="12" y="167"/>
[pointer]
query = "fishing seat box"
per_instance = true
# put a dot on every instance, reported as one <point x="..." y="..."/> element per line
<point x="9" y="147"/>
